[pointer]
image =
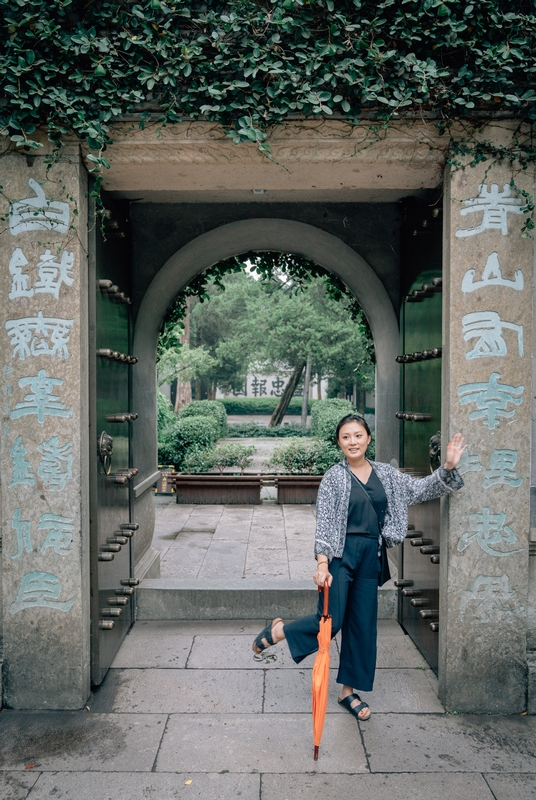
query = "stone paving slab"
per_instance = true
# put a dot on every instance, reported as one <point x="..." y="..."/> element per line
<point x="452" y="743"/>
<point x="232" y="531"/>
<point x="16" y="785"/>
<point x="395" y="691"/>
<point x="512" y="787"/>
<point x="174" y="691"/>
<point x="259" y="743"/>
<point x="395" y="652"/>
<point x="161" y="786"/>
<point x="376" y="787"/>
<point x="154" y="646"/>
<point x="389" y="627"/>
<point x="184" y="558"/>
<point x="78" y="740"/>
<point x="202" y="627"/>
<point x="235" y="652"/>
<point x="224" y="559"/>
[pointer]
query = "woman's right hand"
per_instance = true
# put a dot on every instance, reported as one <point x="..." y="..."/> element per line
<point x="322" y="574"/>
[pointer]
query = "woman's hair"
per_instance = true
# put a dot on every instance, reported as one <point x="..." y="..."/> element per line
<point x="351" y="418"/>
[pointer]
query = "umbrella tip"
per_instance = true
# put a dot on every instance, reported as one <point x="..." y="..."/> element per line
<point x="316" y="753"/>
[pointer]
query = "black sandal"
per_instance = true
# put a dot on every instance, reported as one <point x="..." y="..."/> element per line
<point x="346" y="703"/>
<point x="266" y="633"/>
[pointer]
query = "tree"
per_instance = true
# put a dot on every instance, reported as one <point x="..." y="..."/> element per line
<point x="184" y="362"/>
<point x="223" y="327"/>
<point x="277" y="316"/>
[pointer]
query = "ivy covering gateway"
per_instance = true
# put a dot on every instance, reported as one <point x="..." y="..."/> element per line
<point x="78" y="66"/>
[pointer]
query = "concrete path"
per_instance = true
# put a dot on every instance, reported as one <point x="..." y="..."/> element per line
<point x="186" y="713"/>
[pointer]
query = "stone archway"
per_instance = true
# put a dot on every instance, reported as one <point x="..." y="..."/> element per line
<point x="277" y="235"/>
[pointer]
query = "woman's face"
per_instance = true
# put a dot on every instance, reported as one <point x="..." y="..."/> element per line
<point x="353" y="440"/>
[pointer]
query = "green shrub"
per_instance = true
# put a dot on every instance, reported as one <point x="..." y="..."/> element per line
<point x="233" y="455"/>
<point x="325" y="416"/>
<point x="261" y="405"/>
<point x="225" y="455"/>
<point x="245" y="430"/>
<point x="303" y="457"/>
<point x="207" y="408"/>
<point x="198" y="460"/>
<point x="186" y="435"/>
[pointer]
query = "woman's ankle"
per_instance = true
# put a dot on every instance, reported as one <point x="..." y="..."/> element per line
<point x="278" y="632"/>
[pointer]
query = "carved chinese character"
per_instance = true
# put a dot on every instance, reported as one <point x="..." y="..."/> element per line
<point x="492" y="276"/>
<point x="469" y="463"/>
<point x="495" y="207"/>
<point x="38" y="214"/>
<point x="52" y="273"/>
<point x="20" y="282"/>
<point x="502" y="469"/>
<point x="56" y="464"/>
<point x="491" y="400"/>
<point x="22" y="469"/>
<point x="40" y="400"/>
<point x="40" y="590"/>
<point x="60" y="533"/>
<point x="490" y="600"/>
<point x="487" y="328"/>
<point x="29" y="336"/>
<point x="489" y="530"/>
<point x="23" y="534"/>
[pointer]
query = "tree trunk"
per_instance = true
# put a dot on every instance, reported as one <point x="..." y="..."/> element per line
<point x="319" y="386"/>
<point x="184" y="388"/>
<point x="305" y="399"/>
<point x="286" y="397"/>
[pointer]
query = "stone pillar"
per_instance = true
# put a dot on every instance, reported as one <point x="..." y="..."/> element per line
<point x="44" y="490"/>
<point x="487" y="396"/>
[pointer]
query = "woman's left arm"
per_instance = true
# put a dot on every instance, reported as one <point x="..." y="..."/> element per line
<point x="444" y="480"/>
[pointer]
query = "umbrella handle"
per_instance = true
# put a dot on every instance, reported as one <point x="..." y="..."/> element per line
<point x="325" y="588"/>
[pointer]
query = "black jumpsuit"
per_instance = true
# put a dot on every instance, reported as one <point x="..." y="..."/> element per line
<point x="353" y="596"/>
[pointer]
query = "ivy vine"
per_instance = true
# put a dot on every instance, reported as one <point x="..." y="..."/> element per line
<point x="79" y="66"/>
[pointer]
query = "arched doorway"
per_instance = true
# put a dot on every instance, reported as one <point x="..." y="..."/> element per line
<point x="276" y="235"/>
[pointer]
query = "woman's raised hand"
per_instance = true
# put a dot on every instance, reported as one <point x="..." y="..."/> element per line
<point x="322" y="574"/>
<point x="455" y="450"/>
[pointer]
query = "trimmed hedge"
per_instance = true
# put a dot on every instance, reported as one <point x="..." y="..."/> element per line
<point x="185" y="436"/>
<point x="245" y="430"/>
<point x="225" y="455"/>
<point x="325" y="416"/>
<point x="304" y="457"/>
<point x="262" y="405"/>
<point x="207" y="408"/>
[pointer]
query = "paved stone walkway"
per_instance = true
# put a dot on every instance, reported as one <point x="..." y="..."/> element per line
<point x="235" y="542"/>
<point x="186" y="713"/>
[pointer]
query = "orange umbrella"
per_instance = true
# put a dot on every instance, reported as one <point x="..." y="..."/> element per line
<point x="321" y="673"/>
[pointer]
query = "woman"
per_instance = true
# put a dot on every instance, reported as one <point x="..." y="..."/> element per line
<point x="362" y="506"/>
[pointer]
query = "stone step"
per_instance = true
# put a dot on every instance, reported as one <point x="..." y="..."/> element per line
<point x="167" y="598"/>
